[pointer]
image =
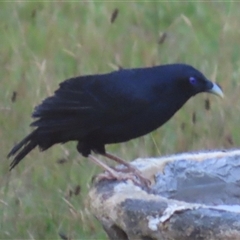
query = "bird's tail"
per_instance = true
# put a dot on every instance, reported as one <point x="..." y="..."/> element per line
<point x="23" y="148"/>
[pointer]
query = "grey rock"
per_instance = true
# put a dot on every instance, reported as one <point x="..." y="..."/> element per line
<point x="192" y="196"/>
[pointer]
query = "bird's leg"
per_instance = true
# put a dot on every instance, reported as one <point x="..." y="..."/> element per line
<point x="112" y="174"/>
<point x="129" y="166"/>
<point x="103" y="165"/>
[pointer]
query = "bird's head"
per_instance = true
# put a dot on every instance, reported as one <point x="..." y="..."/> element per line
<point x="194" y="82"/>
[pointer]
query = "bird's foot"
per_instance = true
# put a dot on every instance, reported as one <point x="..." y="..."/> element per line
<point x="129" y="169"/>
<point x="130" y="172"/>
<point x="134" y="171"/>
<point x="137" y="179"/>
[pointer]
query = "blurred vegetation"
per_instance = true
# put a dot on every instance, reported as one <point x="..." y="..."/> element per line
<point x="44" y="43"/>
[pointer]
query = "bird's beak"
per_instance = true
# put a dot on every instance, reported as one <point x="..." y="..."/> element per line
<point x="216" y="90"/>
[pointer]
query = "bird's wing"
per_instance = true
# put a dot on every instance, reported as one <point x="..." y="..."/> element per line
<point x="88" y="102"/>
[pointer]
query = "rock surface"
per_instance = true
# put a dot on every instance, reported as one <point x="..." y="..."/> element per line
<point x="193" y="196"/>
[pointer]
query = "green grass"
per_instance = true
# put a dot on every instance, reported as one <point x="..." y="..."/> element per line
<point x="43" y="43"/>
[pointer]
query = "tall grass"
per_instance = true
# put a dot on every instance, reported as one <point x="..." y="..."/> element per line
<point x="44" y="43"/>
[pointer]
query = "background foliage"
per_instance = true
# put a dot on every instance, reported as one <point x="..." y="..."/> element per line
<point x="43" y="43"/>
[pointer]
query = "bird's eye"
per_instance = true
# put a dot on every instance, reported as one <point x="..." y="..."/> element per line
<point x="192" y="80"/>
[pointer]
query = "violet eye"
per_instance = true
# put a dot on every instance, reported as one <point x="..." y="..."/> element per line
<point x="192" y="80"/>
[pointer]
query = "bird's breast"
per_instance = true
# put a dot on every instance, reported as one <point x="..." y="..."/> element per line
<point x="135" y="126"/>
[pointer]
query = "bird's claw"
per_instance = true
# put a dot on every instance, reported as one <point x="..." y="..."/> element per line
<point x="145" y="181"/>
<point x="137" y="178"/>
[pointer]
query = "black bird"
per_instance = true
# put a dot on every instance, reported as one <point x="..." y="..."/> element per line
<point x="101" y="109"/>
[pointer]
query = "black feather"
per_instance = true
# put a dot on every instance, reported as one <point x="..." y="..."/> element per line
<point x="27" y="144"/>
<point x="109" y="108"/>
